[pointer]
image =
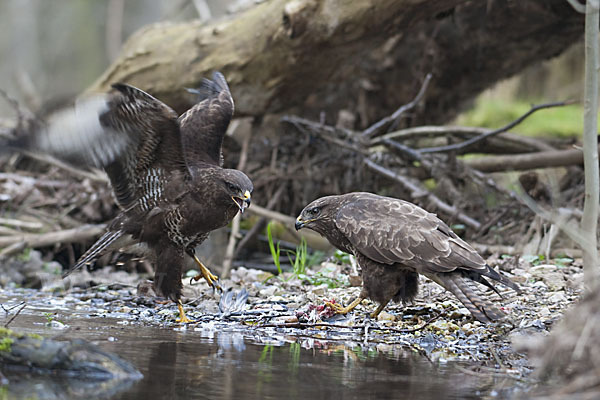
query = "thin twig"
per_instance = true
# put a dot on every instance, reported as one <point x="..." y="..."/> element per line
<point x="577" y="6"/>
<point x="301" y="325"/>
<point x="20" y="178"/>
<point x="12" y="249"/>
<point x="235" y="224"/>
<point x="97" y="176"/>
<point x="466" y="143"/>
<point x="21" y="224"/>
<point x="522" y="143"/>
<point x="7" y="310"/>
<point x="15" y="316"/>
<point x="377" y="126"/>
<point x="325" y="132"/>
<point x="79" y="234"/>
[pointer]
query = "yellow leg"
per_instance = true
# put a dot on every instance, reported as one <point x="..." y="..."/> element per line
<point x="205" y="273"/>
<point x="344" y="310"/>
<point x="182" y="317"/>
<point x="375" y="313"/>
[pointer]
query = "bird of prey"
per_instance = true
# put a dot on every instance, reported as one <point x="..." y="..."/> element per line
<point x="166" y="173"/>
<point x="394" y="241"/>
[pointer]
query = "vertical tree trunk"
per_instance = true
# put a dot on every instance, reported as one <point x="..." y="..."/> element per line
<point x="590" y="147"/>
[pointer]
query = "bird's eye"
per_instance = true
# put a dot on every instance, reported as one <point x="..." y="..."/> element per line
<point x="314" y="210"/>
<point x="232" y="187"/>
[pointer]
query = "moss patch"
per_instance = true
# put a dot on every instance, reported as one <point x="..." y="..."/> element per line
<point x="5" y="344"/>
<point x="8" y="336"/>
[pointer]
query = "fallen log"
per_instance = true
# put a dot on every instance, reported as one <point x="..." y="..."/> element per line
<point x="328" y="55"/>
<point x="520" y="162"/>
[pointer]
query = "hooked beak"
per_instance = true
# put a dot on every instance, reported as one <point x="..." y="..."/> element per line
<point x="299" y="224"/>
<point x="243" y="202"/>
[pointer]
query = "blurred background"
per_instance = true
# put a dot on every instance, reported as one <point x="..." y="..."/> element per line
<point x="53" y="50"/>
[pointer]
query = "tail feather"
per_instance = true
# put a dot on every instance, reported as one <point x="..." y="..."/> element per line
<point x="491" y="273"/>
<point x="95" y="251"/>
<point x="463" y="288"/>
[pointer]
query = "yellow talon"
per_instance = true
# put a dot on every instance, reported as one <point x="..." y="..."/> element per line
<point x="182" y="317"/>
<point x="205" y="273"/>
<point x="343" y="310"/>
<point x="375" y="313"/>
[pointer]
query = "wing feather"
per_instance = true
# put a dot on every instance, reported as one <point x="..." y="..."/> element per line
<point x="203" y="126"/>
<point x="129" y="133"/>
<point x="393" y="231"/>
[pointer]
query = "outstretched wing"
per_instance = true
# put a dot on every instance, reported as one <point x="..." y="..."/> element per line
<point x="129" y="133"/>
<point x="154" y="147"/>
<point x="392" y="231"/>
<point x="204" y="125"/>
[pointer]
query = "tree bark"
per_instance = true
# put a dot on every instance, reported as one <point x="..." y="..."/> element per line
<point x="368" y="56"/>
<point x="589" y="221"/>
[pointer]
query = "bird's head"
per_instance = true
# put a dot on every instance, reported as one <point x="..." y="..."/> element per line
<point x="237" y="187"/>
<point x="317" y="214"/>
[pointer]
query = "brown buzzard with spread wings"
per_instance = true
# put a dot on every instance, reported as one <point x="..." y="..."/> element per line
<point x="394" y="241"/>
<point x="165" y="172"/>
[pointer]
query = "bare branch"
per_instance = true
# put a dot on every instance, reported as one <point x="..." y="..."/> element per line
<point x="75" y="235"/>
<point x="577" y="6"/>
<point x="462" y="145"/>
<point x="393" y="119"/>
<point x="15" y="316"/>
<point x="518" y="162"/>
<point x="418" y="132"/>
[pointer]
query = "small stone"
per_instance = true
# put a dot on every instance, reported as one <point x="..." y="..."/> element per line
<point x="544" y="312"/>
<point x="539" y="284"/>
<point x="542" y="269"/>
<point x="558" y="297"/>
<point x="320" y="290"/>
<point x="554" y="280"/>
<point x="459" y="313"/>
<point x="285" y="319"/>
<point x="268" y="291"/>
<point x="355" y="280"/>
<point x="448" y="304"/>
<point x="439" y="326"/>
<point x="385" y="316"/>
<point x="550" y="275"/>
<point x="54" y="324"/>
<point x="452" y="327"/>
<point x="467" y="329"/>
<point x="575" y="282"/>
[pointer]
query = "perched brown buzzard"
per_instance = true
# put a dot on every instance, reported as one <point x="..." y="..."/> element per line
<point x="165" y="172"/>
<point x="394" y="241"/>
